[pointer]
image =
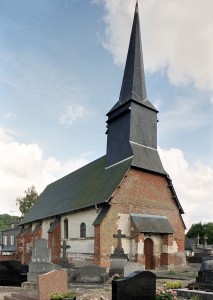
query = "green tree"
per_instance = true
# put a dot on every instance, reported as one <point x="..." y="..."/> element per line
<point x="202" y="230"/>
<point x="26" y="202"/>
<point x="5" y="221"/>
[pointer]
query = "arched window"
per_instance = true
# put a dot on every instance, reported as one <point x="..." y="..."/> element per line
<point x="66" y="231"/>
<point x="83" y="230"/>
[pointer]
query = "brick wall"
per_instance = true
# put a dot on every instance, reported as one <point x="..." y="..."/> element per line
<point x="147" y="193"/>
<point x="54" y="243"/>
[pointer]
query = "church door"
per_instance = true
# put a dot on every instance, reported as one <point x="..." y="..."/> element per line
<point x="148" y="251"/>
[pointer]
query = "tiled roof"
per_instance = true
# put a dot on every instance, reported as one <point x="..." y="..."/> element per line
<point x="151" y="223"/>
<point x="88" y="186"/>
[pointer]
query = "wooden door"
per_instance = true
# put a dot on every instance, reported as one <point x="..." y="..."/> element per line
<point x="148" y="252"/>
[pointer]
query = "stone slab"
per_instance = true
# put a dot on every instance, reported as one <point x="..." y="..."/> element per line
<point x="88" y="274"/>
<point x="117" y="265"/>
<point x="131" y="267"/>
<point x="41" y="252"/>
<point x="36" y="268"/>
<point x="49" y="283"/>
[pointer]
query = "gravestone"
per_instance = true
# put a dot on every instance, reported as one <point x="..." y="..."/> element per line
<point x="64" y="262"/>
<point x="40" y="261"/>
<point x="204" y="280"/>
<point x="90" y="274"/>
<point x="47" y="284"/>
<point x="131" y="267"/>
<point x="52" y="282"/>
<point x="12" y="272"/>
<point x="137" y="285"/>
<point x="118" y="259"/>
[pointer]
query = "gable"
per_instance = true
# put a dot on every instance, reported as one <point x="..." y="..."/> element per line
<point x="88" y="186"/>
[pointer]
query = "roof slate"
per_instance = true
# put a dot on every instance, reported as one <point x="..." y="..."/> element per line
<point x="151" y="223"/>
<point x="86" y="187"/>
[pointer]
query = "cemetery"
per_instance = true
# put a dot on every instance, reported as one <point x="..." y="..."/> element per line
<point x="132" y="251"/>
<point x="44" y="280"/>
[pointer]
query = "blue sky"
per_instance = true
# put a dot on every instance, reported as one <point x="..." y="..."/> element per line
<point x="61" y="70"/>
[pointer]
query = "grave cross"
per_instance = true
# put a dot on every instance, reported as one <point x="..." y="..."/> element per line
<point x="64" y="247"/>
<point x="205" y="240"/>
<point x="198" y="240"/>
<point x="119" y="236"/>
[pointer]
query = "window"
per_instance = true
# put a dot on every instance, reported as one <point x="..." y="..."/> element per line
<point x="12" y="240"/>
<point x="5" y="240"/>
<point x="66" y="231"/>
<point x="83" y="230"/>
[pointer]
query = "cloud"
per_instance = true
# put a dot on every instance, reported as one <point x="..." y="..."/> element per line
<point x="23" y="165"/>
<point x="176" y="36"/>
<point x="73" y="113"/>
<point x="193" y="185"/>
<point x="176" y="117"/>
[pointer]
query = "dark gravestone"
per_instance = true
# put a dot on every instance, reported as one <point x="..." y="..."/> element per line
<point x="204" y="280"/>
<point x="137" y="285"/>
<point x="12" y="273"/>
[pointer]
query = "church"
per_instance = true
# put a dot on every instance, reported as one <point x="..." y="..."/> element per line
<point x="127" y="189"/>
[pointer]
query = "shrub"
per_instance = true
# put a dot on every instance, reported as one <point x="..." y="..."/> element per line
<point x="173" y="285"/>
<point x="165" y="294"/>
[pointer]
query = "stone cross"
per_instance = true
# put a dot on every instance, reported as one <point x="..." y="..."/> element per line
<point x="198" y="240"/>
<point x="119" y="236"/>
<point x="64" y="247"/>
<point x="205" y="240"/>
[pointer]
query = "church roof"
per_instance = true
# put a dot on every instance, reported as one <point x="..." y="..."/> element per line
<point x="133" y="85"/>
<point x="151" y="223"/>
<point x="88" y="186"/>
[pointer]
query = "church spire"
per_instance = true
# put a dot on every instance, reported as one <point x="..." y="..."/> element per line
<point x="133" y="84"/>
<point x="132" y="122"/>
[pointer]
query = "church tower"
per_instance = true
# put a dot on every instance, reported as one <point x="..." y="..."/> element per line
<point x="132" y="121"/>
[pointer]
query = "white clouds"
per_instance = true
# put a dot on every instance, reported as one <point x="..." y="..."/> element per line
<point x="23" y="165"/>
<point x="176" y="35"/>
<point x="193" y="184"/>
<point x="184" y="114"/>
<point x="73" y="113"/>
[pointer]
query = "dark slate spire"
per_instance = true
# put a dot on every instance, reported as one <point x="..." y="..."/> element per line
<point x="132" y="122"/>
<point x="133" y="84"/>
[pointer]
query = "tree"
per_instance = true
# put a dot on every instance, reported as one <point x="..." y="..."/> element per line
<point x="202" y="230"/>
<point x="26" y="202"/>
<point x="5" y="221"/>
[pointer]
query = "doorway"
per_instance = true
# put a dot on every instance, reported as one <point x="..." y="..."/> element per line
<point x="148" y="252"/>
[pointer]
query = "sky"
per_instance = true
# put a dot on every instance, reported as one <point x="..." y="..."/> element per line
<point x="61" y="68"/>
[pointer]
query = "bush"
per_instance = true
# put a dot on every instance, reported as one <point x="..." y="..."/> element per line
<point x="173" y="285"/>
<point x="165" y="294"/>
